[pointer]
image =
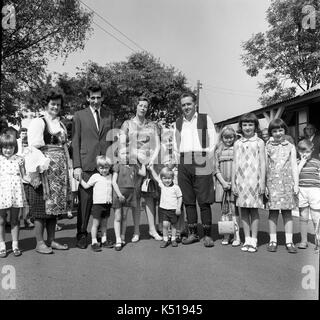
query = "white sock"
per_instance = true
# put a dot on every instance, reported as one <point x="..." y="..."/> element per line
<point x="273" y="237"/>
<point x="14" y="245"/>
<point x="288" y="237"/>
<point x="94" y="240"/>
<point x="173" y="238"/>
<point x="2" y="245"/>
<point x="165" y="238"/>
<point x="247" y="240"/>
<point x="104" y="238"/>
<point x="254" y="241"/>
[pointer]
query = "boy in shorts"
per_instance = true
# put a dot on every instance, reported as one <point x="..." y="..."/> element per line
<point x="102" y="199"/>
<point x="309" y="191"/>
<point x="170" y="204"/>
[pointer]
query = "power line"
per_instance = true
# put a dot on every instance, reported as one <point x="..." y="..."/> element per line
<point x="234" y="90"/>
<point x="113" y="36"/>
<point x="228" y="92"/>
<point x="112" y="26"/>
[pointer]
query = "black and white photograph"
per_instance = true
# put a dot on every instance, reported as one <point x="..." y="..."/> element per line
<point x="160" y="151"/>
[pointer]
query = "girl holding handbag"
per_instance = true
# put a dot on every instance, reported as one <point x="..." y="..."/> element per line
<point x="223" y="174"/>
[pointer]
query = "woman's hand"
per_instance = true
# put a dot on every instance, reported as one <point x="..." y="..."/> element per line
<point x="77" y="173"/>
<point x="226" y="186"/>
<point x="35" y="179"/>
<point x="121" y="198"/>
<point x="178" y="212"/>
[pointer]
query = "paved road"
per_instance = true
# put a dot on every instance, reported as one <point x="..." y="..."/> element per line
<point x="144" y="271"/>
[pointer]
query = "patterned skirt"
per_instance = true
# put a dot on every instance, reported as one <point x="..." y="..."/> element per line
<point x="59" y="195"/>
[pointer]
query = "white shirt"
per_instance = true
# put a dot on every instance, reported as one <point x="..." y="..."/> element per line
<point x="169" y="196"/>
<point x="190" y="136"/>
<point x="102" y="188"/>
<point x="36" y="129"/>
<point x="93" y="110"/>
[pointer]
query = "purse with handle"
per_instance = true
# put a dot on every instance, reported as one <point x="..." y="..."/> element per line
<point x="226" y="225"/>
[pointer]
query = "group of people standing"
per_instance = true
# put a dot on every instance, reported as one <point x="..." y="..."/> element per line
<point x="249" y="173"/>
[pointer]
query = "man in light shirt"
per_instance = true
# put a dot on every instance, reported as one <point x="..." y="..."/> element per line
<point x="194" y="142"/>
<point x="310" y="133"/>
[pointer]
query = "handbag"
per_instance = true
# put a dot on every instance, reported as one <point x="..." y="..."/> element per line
<point x="148" y="184"/>
<point x="226" y="225"/>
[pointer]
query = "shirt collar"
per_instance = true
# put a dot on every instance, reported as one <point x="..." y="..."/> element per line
<point x="253" y="138"/>
<point x="284" y="142"/>
<point x="94" y="109"/>
<point x="195" y="116"/>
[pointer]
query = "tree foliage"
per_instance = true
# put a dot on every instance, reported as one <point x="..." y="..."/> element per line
<point x="288" y="53"/>
<point x="44" y="29"/>
<point x="123" y="82"/>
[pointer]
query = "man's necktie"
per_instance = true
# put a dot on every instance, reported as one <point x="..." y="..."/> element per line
<point x="98" y="118"/>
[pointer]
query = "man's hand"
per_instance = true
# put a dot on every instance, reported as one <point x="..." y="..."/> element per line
<point x="178" y="212"/>
<point x="77" y="173"/>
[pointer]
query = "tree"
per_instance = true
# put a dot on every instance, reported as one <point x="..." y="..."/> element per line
<point x="288" y="53"/>
<point x="44" y="28"/>
<point x="123" y="82"/>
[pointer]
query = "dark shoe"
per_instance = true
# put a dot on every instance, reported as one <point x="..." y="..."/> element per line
<point x="272" y="246"/>
<point x="118" y="246"/>
<point x="107" y="244"/>
<point x="208" y="242"/>
<point x="291" y="248"/>
<point x="17" y="252"/>
<point x="57" y="246"/>
<point x="82" y="243"/>
<point x="192" y="238"/>
<point x="96" y="247"/>
<point x="178" y="239"/>
<point x="165" y="244"/>
<point x="174" y="243"/>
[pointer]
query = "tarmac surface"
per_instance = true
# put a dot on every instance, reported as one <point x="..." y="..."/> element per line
<point x="145" y="271"/>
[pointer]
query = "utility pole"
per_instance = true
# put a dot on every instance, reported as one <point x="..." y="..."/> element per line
<point x="199" y="86"/>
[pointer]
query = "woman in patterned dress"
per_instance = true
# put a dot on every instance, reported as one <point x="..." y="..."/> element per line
<point x="248" y="178"/>
<point x="282" y="183"/>
<point x="137" y="134"/>
<point x="49" y="200"/>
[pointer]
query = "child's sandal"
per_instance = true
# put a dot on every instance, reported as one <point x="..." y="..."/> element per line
<point x="118" y="246"/>
<point x="252" y="248"/>
<point x="236" y="243"/>
<point x="3" y="253"/>
<point x="17" y="252"/>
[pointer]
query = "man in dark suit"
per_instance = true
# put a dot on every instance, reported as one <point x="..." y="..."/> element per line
<point x="89" y="139"/>
<point x="310" y="133"/>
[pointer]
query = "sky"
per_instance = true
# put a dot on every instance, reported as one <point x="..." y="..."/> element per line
<point x="200" y="38"/>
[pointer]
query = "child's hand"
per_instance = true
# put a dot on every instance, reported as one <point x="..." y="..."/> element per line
<point x="35" y="179"/>
<point x="121" y="198"/>
<point x="262" y="190"/>
<point x="295" y="190"/>
<point x="226" y="186"/>
<point x="178" y="212"/>
<point x="235" y="191"/>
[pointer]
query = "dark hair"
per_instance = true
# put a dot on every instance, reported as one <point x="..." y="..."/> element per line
<point x="189" y="94"/>
<point x="305" y="144"/>
<point x="277" y="124"/>
<point x="54" y="95"/>
<point x="12" y="130"/>
<point x="95" y="88"/>
<point x="8" y="140"/>
<point x="23" y="129"/>
<point x="143" y="98"/>
<point x="249" y="117"/>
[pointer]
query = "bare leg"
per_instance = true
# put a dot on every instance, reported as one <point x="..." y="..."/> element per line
<point x="288" y="225"/>
<point x="304" y="218"/>
<point x="2" y="229"/>
<point x="246" y="224"/>
<point x="273" y="221"/>
<point x="51" y="229"/>
<point x="39" y="229"/>
<point x="136" y="214"/>
<point x="254" y="224"/>
<point x="15" y="227"/>
<point x="117" y="224"/>
<point x="124" y="224"/>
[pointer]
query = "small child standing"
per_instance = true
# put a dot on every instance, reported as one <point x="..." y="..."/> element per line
<point x="170" y="204"/>
<point x="125" y="182"/>
<point x="12" y="196"/>
<point x="223" y="172"/>
<point x="248" y="178"/>
<point x="282" y="183"/>
<point x="309" y="191"/>
<point x="102" y="199"/>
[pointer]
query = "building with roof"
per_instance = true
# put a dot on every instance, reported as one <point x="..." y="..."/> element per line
<point x="296" y="112"/>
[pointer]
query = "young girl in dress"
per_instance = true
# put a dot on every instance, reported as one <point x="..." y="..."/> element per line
<point x="282" y="183"/>
<point x="248" y="178"/>
<point x="12" y="195"/>
<point x="223" y="173"/>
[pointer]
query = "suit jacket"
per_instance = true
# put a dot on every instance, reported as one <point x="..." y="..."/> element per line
<point x="87" y="141"/>
<point x="316" y="143"/>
